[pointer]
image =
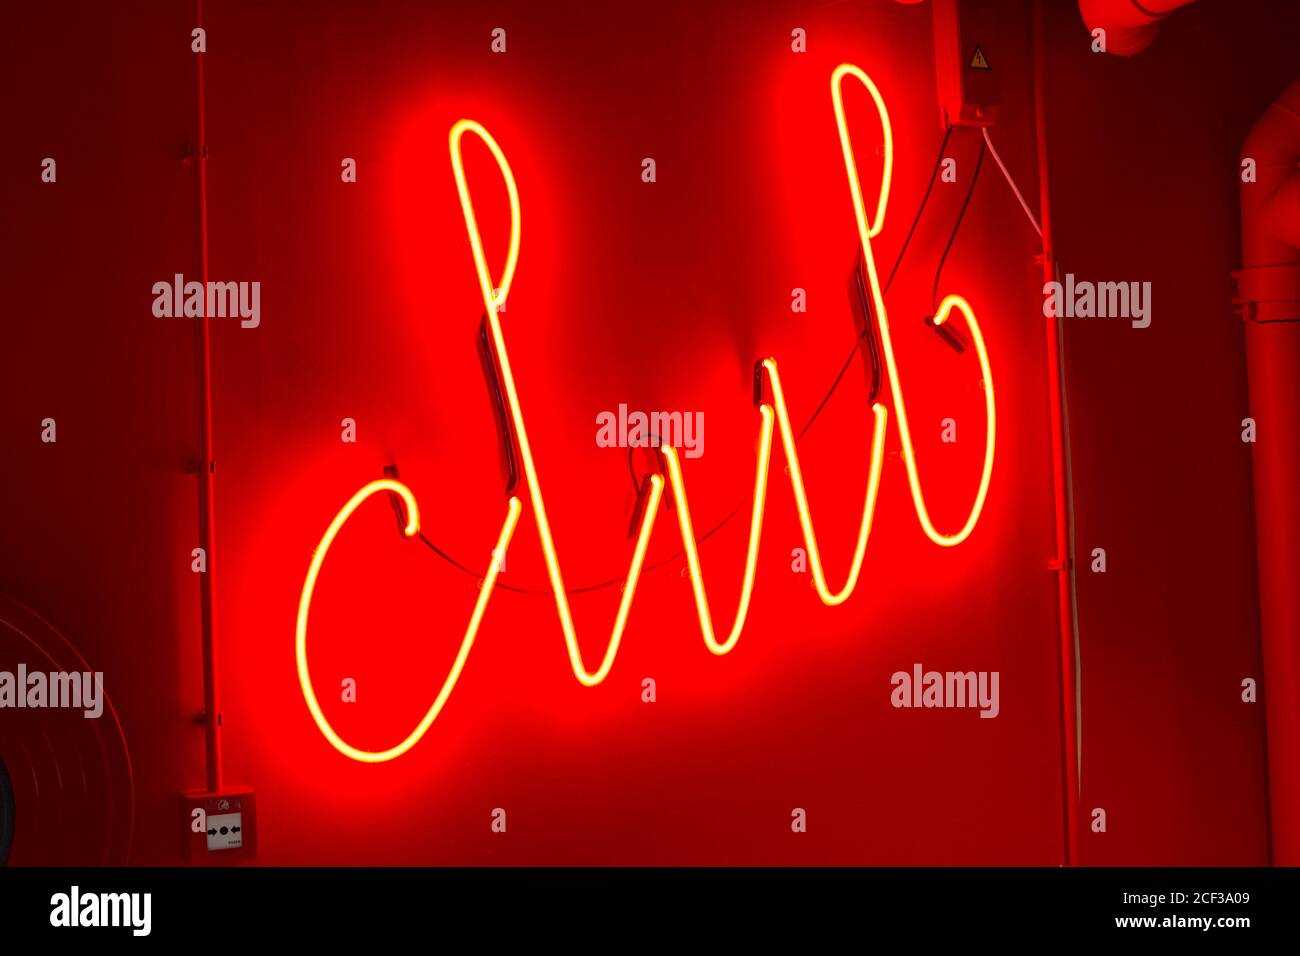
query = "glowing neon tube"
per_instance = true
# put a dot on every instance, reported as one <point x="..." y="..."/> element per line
<point x="868" y="230"/>
<point x="304" y="610"/>
<point x="773" y="417"/>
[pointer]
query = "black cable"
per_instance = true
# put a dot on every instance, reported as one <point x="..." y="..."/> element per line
<point x="934" y="174"/>
<point x="848" y="360"/>
<point x="599" y="585"/>
<point x="961" y="214"/>
<point x="873" y="350"/>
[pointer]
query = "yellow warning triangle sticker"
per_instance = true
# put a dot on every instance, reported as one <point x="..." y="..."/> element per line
<point x="978" y="62"/>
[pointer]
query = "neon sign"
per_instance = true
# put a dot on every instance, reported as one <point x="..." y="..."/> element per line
<point x="773" y="416"/>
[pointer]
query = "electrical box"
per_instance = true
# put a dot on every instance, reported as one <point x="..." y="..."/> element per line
<point x="966" y="62"/>
<point x="220" y="828"/>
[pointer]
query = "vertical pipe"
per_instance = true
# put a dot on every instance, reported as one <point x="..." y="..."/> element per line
<point x="1273" y="368"/>
<point x="1268" y="293"/>
<point x="203" y="387"/>
<point x="1063" y="564"/>
<point x="1130" y="25"/>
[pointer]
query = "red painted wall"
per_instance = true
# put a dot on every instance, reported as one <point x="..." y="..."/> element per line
<point x="1145" y="177"/>
<point x="660" y="296"/>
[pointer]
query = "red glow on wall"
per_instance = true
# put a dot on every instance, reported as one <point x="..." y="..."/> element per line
<point x="495" y="290"/>
<point x="658" y="296"/>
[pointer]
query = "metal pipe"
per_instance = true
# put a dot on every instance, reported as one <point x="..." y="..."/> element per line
<point x="1130" y="25"/>
<point x="1268" y="295"/>
<point x="1063" y="563"/>
<point x="203" y="388"/>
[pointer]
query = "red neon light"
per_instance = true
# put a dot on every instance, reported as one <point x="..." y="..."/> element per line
<point x="773" y="416"/>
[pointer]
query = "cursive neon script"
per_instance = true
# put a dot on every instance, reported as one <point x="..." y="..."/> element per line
<point x="773" y="417"/>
